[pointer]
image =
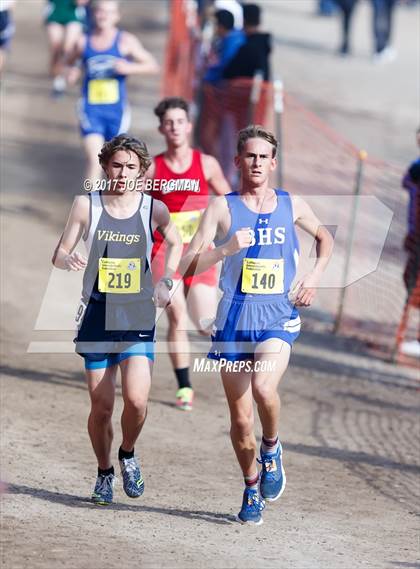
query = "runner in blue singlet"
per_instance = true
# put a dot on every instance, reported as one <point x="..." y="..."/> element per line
<point x="107" y="55"/>
<point x="257" y="322"/>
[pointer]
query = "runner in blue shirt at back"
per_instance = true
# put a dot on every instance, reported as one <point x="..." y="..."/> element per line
<point x="228" y="41"/>
<point x="108" y="55"/>
<point x="257" y="322"/>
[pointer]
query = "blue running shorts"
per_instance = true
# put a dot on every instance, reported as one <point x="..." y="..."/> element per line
<point x="242" y="324"/>
<point x="101" y="347"/>
<point x="93" y="120"/>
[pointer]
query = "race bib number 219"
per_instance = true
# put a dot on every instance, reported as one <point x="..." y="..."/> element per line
<point x="119" y="276"/>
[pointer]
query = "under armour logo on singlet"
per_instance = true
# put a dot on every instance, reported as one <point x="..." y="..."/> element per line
<point x="263" y="221"/>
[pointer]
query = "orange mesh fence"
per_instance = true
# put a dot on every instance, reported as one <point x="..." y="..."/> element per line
<point x="319" y="162"/>
<point x="381" y="295"/>
<point x="316" y="160"/>
<point x="225" y="109"/>
<point x="179" y="68"/>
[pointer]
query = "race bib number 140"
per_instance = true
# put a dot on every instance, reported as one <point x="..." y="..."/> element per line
<point x="263" y="276"/>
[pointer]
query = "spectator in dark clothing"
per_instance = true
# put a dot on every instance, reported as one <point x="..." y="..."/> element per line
<point x="347" y="8"/>
<point x="382" y="26"/>
<point x="253" y="55"/>
<point x="227" y="44"/>
<point x="411" y="183"/>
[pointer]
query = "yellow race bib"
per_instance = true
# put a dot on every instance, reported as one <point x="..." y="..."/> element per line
<point x="187" y="223"/>
<point x="119" y="276"/>
<point x="103" y="92"/>
<point x="262" y="276"/>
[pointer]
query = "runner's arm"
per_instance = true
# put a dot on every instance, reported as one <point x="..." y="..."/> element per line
<point x="163" y="223"/>
<point x="142" y="61"/>
<point x="305" y="218"/>
<point x="73" y="72"/>
<point x="64" y="256"/>
<point x="198" y="258"/>
<point x="214" y="175"/>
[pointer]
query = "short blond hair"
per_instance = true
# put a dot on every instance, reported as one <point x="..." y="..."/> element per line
<point x="256" y="131"/>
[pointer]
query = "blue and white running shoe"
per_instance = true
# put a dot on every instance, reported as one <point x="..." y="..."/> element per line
<point x="132" y="479"/>
<point x="252" y="506"/>
<point x="273" y="477"/>
<point x="103" y="492"/>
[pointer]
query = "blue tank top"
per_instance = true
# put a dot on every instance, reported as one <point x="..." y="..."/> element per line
<point x="264" y="271"/>
<point x="103" y="89"/>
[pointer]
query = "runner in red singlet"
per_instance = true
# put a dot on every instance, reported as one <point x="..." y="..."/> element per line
<point x="183" y="178"/>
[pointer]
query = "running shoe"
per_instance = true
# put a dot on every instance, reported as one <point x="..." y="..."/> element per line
<point x="273" y="477"/>
<point x="386" y="55"/>
<point x="104" y="490"/>
<point x="252" y="506"/>
<point x="59" y="86"/>
<point x="132" y="479"/>
<point x="184" y="399"/>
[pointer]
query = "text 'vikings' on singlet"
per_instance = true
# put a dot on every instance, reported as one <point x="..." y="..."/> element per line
<point x="119" y="253"/>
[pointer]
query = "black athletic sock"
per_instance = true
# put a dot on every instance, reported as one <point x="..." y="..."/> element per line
<point x="182" y="377"/>
<point x="125" y="453"/>
<point x="106" y="471"/>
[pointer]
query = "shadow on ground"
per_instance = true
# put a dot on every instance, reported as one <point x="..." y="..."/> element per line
<point x="73" y="501"/>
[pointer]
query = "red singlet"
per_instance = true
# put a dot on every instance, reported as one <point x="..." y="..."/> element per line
<point x="186" y="194"/>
